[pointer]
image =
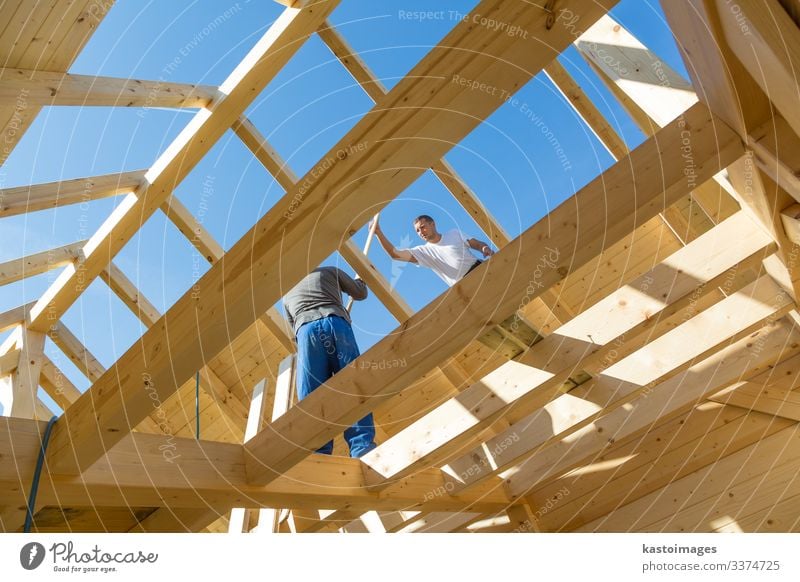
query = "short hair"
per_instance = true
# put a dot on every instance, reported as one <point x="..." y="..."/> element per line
<point x="424" y="217"/>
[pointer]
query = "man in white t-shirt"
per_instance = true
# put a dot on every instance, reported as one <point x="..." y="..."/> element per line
<point x="446" y="254"/>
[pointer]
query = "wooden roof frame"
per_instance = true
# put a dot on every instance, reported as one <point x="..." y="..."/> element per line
<point x="474" y="438"/>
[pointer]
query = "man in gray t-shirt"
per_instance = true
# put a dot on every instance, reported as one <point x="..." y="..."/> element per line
<point x="325" y="341"/>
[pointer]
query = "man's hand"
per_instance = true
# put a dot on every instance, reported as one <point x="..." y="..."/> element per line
<point x="374" y="224"/>
<point x="486" y="251"/>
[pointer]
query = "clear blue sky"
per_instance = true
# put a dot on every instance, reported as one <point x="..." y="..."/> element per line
<point x="304" y="112"/>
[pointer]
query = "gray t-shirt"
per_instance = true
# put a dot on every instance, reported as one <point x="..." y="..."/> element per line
<point x="319" y="295"/>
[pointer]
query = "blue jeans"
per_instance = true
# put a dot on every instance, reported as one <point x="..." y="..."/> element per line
<point x="324" y="347"/>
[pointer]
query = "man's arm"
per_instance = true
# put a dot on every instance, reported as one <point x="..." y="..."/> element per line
<point x="398" y="255"/>
<point x="480" y="246"/>
<point x="355" y="288"/>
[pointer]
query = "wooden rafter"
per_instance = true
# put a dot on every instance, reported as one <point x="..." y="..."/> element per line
<point x="43" y="88"/>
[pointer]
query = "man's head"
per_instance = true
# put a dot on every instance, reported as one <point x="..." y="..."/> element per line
<point x="426" y="228"/>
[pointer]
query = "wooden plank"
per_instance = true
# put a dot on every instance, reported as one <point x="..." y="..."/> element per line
<point x="576" y="245"/>
<point x="74" y="349"/>
<point x="265" y="153"/>
<point x="587" y="110"/>
<point x="128" y="293"/>
<point x="192" y="229"/>
<point x="19" y="396"/>
<point x="45" y="88"/>
<point x="777" y="153"/>
<point x="769" y="50"/>
<point x="256" y="416"/>
<point x="9" y="361"/>
<point x="38" y="263"/>
<point x="14" y="317"/>
<point x="776" y="400"/>
<point x="24" y="199"/>
<point x="57" y="385"/>
<point x="791" y="223"/>
<point x="444" y="113"/>
<point x="351" y="61"/>
<point x="241" y="87"/>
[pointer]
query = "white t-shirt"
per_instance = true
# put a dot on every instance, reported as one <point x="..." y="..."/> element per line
<point x="449" y="258"/>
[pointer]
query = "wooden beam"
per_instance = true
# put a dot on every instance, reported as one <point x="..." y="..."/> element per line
<point x="265" y="153"/>
<point x="128" y="293"/>
<point x="38" y="263"/>
<point x="14" y="317"/>
<point x="24" y="199"/>
<point x="19" y="389"/>
<point x="45" y="88"/>
<point x="351" y="61"/>
<point x="587" y="110"/>
<point x="780" y="401"/>
<point x="316" y="418"/>
<point x="192" y="229"/>
<point x="57" y="385"/>
<point x="74" y="349"/>
<point x="9" y="361"/>
<point x="777" y="153"/>
<point x="767" y="42"/>
<point x="146" y="471"/>
<point x="207" y="245"/>
<point x="436" y="110"/>
<point x="242" y="86"/>
<point x="791" y="223"/>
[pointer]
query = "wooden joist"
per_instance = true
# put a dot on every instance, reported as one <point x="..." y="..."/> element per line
<point x="45" y="88"/>
<point x="22" y="199"/>
<point x="38" y="263"/>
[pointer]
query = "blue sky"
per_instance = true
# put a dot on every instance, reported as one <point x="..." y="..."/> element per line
<point x="310" y="105"/>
